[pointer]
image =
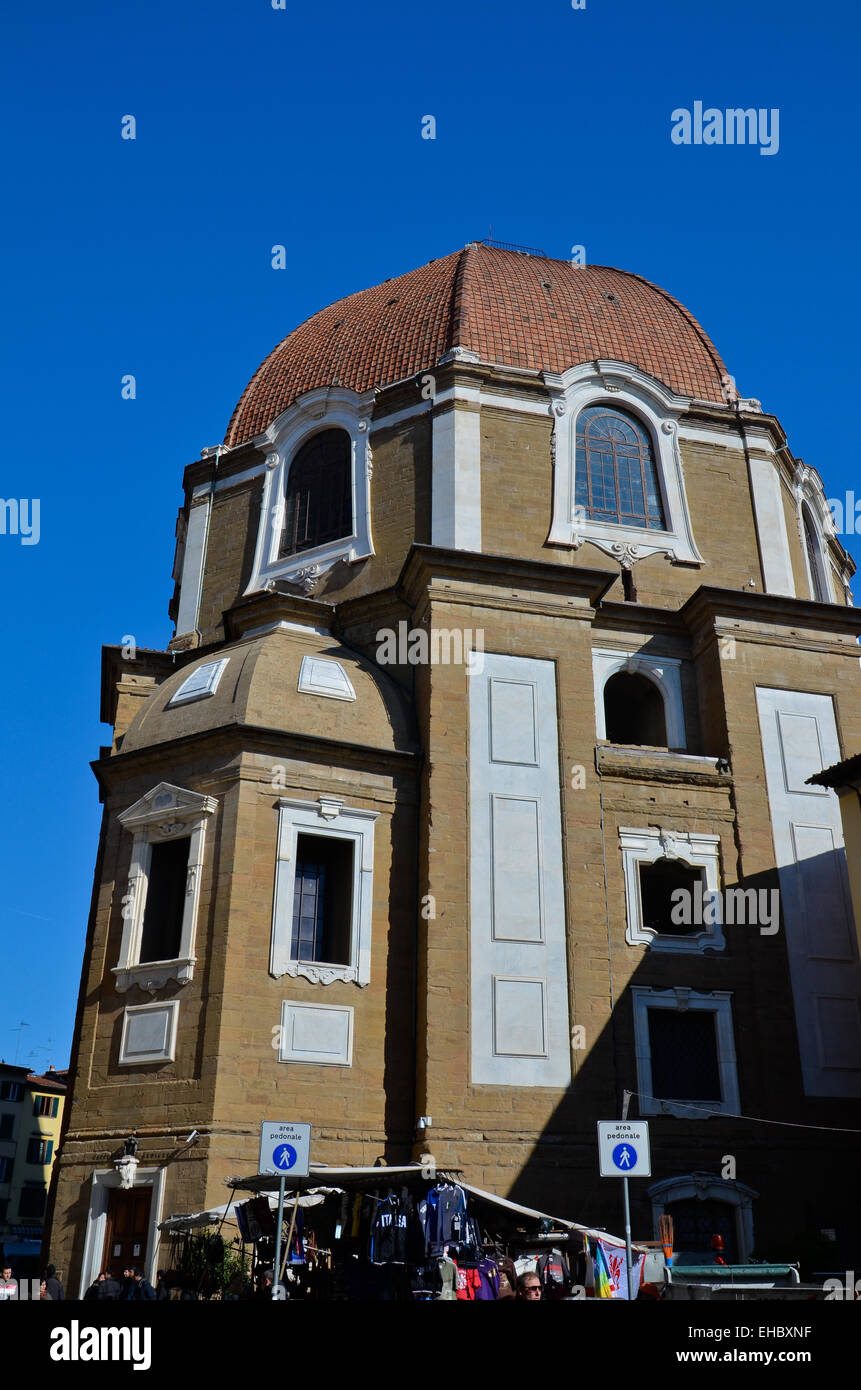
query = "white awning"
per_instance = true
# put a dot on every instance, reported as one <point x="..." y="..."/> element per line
<point x="215" y="1215"/>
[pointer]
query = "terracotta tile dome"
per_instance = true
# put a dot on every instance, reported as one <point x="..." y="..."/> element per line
<point x="509" y="308"/>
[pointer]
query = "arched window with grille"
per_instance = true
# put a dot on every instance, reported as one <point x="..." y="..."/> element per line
<point x="319" y="495"/>
<point x="616" y="477"/>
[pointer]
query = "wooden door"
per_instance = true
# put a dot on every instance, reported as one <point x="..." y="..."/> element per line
<point x="126" y="1229"/>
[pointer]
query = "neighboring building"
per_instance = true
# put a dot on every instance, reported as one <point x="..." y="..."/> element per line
<point x="31" y="1112"/>
<point x="429" y="910"/>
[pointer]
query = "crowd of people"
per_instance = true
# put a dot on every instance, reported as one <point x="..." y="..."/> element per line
<point x="50" y="1288"/>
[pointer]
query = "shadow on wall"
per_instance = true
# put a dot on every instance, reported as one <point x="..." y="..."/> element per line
<point x="715" y="1032"/>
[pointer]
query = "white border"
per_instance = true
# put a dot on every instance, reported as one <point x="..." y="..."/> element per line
<point x="323" y="409"/>
<point x="662" y="671"/>
<point x="619" y="386"/>
<point x="328" y="817"/>
<point x="103" y="1180"/>
<point x="167" y="1006"/>
<point x="215" y="669"/>
<point x="719" y="1002"/>
<point x="285" y="1056"/>
<point x="165" y="813"/>
<point x="700" y="852"/>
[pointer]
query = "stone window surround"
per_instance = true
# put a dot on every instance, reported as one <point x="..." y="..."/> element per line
<point x="657" y="409"/>
<point x="662" y="671"/>
<point x="165" y="813"/>
<point x="718" y="1002"/>
<point x="327" y="408"/>
<point x="645" y="846"/>
<point x="330" y="817"/>
<point x="708" y="1187"/>
<point x="809" y="492"/>
<point x="345" y="1059"/>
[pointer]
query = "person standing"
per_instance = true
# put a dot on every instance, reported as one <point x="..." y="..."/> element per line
<point x="142" y="1290"/>
<point x="162" y="1291"/>
<point x="56" y="1292"/>
<point x="8" y="1285"/>
<point x="529" y="1286"/>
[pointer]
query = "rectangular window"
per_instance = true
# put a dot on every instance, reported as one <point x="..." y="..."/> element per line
<point x="161" y="933"/>
<point x="658" y="882"/>
<point x="322" y="898"/>
<point x="6" y="1123"/>
<point x="684" y="1053"/>
<point x="5" y="1169"/>
<point x="11" y="1090"/>
<point x="39" y="1150"/>
<point x="32" y="1200"/>
<point x="46" y="1106"/>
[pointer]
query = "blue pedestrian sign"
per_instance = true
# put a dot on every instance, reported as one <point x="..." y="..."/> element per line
<point x="285" y="1149"/>
<point x="623" y="1149"/>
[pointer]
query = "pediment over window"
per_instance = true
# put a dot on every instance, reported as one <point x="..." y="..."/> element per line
<point x="167" y="803"/>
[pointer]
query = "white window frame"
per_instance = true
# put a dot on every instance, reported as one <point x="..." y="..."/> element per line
<point x="719" y="1002"/>
<point x="170" y="1007"/>
<point x="663" y="671"/>
<point x="328" y="817"/>
<point x="165" y="813"/>
<point x="620" y="387"/>
<point x="645" y="846"/>
<point x="324" y="409"/>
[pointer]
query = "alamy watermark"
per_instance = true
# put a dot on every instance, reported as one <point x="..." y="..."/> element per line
<point x="735" y="126"/>
<point x="21" y="518"/>
<point x="705" y="907"/>
<point x="441" y="646"/>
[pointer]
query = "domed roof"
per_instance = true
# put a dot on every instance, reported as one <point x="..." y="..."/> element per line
<point x="510" y="308"/>
<point x="287" y="680"/>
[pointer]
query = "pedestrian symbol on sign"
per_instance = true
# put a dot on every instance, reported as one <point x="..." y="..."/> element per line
<point x="625" y="1157"/>
<point x="284" y="1157"/>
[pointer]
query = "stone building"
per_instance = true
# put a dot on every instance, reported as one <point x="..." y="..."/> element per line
<point x="31" y="1113"/>
<point x="504" y="628"/>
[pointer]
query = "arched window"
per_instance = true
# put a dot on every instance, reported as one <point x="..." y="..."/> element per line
<point x="319" y="496"/>
<point x="634" y="711"/>
<point x="616" y="476"/>
<point x="814" y="557"/>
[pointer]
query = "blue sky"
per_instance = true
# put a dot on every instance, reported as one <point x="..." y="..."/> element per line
<point x="302" y="127"/>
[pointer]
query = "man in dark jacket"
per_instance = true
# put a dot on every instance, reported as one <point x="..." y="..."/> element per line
<point x="142" y="1291"/>
<point x="109" y="1287"/>
<point x="53" y="1287"/>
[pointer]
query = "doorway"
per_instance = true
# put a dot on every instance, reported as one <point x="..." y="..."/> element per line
<point x="126" y="1229"/>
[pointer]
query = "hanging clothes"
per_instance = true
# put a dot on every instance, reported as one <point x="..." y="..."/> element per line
<point x="443" y="1217"/>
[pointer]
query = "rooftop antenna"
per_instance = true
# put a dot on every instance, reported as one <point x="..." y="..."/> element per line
<point x="18" y="1039"/>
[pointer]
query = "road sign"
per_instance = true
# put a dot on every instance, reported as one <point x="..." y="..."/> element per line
<point x="623" y="1149"/>
<point x="285" y="1150"/>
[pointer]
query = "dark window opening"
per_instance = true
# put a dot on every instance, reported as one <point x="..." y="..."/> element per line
<point x="696" y="1222"/>
<point x="161" y="935"/>
<point x="47" y="1106"/>
<point x="322" y="899"/>
<point x="811" y="541"/>
<point x="658" y="882"/>
<point x="634" y="710"/>
<point x="39" y="1150"/>
<point x="11" y="1090"/>
<point x="32" y="1200"/>
<point x="6" y="1123"/>
<point x="683" y="1049"/>
<point x="616" y="476"/>
<point x="318" y="504"/>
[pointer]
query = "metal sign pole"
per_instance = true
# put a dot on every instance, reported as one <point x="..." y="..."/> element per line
<point x="628" y="1253"/>
<point x="276" y="1290"/>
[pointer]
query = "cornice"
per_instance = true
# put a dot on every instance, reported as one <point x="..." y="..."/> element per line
<point x="112" y="772"/>
<point x="265" y="608"/>
<point x="425" y="565"/>
<point x="707" y="604"/>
